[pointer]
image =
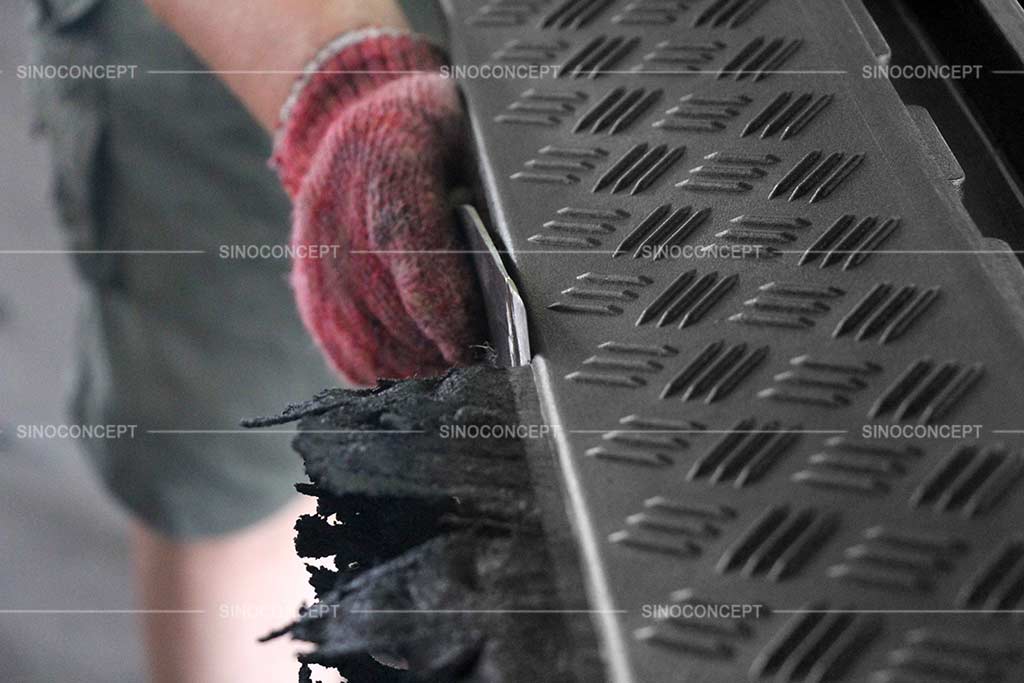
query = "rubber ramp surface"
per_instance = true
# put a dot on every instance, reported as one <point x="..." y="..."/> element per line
<point x="739" y="256"/>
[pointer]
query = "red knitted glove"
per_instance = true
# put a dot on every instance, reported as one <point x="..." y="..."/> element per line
<point x="366" y="150"/>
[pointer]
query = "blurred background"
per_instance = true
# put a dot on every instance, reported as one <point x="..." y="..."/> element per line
<point x="63" y="543"/>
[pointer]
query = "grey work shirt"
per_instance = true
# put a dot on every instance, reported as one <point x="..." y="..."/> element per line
<point x="182" y="345"/>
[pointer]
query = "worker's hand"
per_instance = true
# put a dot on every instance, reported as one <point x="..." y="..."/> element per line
<point x="367" y="150"/>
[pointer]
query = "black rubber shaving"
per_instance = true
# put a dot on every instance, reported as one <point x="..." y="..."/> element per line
<point x="453" y="555"/>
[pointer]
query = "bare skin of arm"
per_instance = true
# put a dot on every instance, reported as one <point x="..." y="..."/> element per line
<point x="258" y="47"/>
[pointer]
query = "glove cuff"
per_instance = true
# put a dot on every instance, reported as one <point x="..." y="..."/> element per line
<point x="344" y="71"/>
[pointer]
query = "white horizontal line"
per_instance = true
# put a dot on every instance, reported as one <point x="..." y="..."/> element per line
<point x="478" y="251"/>
<point x="102" y="611"/>
<point x="896" y="611"/>
<point x="714" y="72"/>
<point x="709" y="431"/>
<point x="612" y="251"/>
<point x="131" y="252"/>
<point x="282" y="72"/>
<point x="486" y="611"/>
<point x="496" y="67"/>
<point x="906" y="251"/>
<point x="257" y="430"/>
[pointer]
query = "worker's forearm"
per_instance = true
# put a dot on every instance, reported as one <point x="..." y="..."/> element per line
<point x="259" y="46"/>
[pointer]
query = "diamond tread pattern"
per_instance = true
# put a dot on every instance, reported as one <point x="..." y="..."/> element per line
<point x="710" y="410"/>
